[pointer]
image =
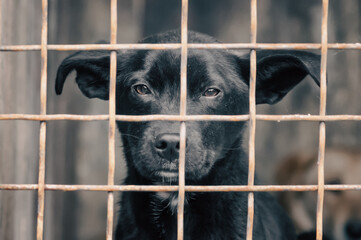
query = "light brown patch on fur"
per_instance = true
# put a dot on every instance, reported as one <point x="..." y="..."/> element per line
<point x="342" y="166"/>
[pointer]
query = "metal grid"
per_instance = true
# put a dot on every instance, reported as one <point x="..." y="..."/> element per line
<point x="252" y="117"/>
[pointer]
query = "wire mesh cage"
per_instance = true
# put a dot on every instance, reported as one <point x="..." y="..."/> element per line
<point x="182" y="118"/>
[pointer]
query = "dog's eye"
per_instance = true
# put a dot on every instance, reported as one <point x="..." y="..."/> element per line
<point x="335" y="182"/>
<point x="142" y="89"/>
<point x="211" y="92"/>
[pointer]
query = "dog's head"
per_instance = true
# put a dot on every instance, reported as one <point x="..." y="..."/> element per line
<point x="342" y="209"/>
<point x="148" y="82"/>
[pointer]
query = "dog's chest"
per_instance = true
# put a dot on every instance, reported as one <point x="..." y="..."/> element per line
<point x="166" y="202"/>
<point x="163" y="209"/>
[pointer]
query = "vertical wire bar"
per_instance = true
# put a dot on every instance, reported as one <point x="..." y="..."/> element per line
<point x="112" y="107"/>
<point x="42" y="135"/>
<point x="252" y="121"/>
<point x="183" y="112"/>
<point x="322" y="129"/>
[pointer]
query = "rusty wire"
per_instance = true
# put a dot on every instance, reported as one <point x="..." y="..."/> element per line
<point x="42" y="135"/>
<point x="183" y="112"/>
<point x="163" y="46"/>
<point x="322" y="128"/>
<point x="252" y="117"/>
<point x="187" y="188"/>
<point x="252" y="121"/>
<point x="142" y="118"/>
<point x="112" y="113"/>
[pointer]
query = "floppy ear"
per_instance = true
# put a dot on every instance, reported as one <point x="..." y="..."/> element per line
<point x="92" y="69"/>
<point x="279" y="71"/>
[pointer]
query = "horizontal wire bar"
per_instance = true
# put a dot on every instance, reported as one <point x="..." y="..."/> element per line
<point x="52" y="117"/>
<point x="158" y="46"/>
<point x="87" y="47"/>
<point x="141" y="118"/>
<point x="308" y="117"/>
<point x="188" y="188"/>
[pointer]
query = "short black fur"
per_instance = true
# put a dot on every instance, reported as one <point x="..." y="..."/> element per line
<point x="148" y="82"/>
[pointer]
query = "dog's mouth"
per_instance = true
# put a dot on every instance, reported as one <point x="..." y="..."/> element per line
<point x="168" y="174"/>
<point x="166" y="171"/>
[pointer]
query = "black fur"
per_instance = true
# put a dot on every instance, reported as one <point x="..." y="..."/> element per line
<point x="148" y="82"/>
<point x="311" y="236"/>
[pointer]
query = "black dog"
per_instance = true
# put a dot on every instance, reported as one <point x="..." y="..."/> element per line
<point x="148" y="82"/>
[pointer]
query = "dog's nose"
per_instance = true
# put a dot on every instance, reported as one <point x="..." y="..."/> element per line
<point x="167" y="145"/>
<point x="353" y="229"/>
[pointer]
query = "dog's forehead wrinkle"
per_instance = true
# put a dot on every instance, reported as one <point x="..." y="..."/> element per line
<point x="169" y="105"/>
<point x="136" y="76"/>
<point x="174" y="36"/>
<point x="222" y="71"/>
<point x="163" y="72"/>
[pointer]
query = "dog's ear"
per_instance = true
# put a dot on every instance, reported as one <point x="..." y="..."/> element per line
<point x="92" y="69"/>
<point x="279" y="71"/>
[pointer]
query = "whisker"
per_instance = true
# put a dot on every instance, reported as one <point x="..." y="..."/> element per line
<point x="130" y="135"/>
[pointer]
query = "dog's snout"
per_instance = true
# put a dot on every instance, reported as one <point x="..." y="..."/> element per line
<point x="167" y="145"/>
<point x="353" y="229"/>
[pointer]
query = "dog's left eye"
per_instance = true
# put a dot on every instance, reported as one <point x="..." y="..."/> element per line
<point x="142" y="89"/>
<point x="211" y="92"/>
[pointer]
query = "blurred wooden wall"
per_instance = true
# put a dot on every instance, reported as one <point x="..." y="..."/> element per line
<point x="19" y="93"/>
<point x="77" y="151"/>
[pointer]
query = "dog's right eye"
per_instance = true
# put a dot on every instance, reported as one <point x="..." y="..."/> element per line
<point x="211" y="92"/>
<point x="142" y="89"/>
